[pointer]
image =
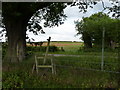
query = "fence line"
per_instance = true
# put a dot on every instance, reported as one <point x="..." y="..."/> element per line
<point x="80" y="68"/>
<point x="62" y="55"/>
<point x="92" y="63"/>
<point x="85" y="62"/>
<point x="97" y="62"/>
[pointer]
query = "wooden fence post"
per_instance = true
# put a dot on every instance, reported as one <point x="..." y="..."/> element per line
<point x="47" y="50"/>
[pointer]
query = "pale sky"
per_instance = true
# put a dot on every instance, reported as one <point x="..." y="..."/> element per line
<point x="66" y="31"/>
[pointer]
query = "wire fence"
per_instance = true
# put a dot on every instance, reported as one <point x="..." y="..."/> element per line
<point x="87" y="69"/>
<point x="81" y="64"/>
<point x="110" y="67"/>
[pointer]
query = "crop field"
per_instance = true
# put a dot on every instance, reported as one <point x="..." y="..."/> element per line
<point x="75" y="68"/>
<point x="68" y="46"/>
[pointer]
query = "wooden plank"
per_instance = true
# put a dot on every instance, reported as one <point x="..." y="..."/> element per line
<point x="33" y="68"/>
<point x="52" y="65"/>
<point x="54" y="69"/>
<point x="47" y="50"/>
<point x="40" y="57"/>
<point x="45" y="66"/>
<point x="36" y="64"/>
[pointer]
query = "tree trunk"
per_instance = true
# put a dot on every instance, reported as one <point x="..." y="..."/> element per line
<point x="87" y="40"/>
<point x="16" y="40"/>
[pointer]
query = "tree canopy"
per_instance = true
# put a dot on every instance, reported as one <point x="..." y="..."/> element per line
<point x="93" y="27"/>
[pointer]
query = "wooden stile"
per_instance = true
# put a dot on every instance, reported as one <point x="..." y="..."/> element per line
<point x="52" y="66"/>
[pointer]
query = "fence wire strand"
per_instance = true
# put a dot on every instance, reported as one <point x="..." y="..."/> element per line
<point x="81" y="68"/>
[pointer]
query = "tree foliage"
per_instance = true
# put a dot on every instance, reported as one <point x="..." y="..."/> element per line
<point x="93" y="27"/>
<point x="51" y="13"/>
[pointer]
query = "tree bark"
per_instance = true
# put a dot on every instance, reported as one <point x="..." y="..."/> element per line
<point x="16" y="31"/>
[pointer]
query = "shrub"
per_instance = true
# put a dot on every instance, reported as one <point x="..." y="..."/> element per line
<point x="12" y="80"/>
<point x="97" y="49"/>
<point x="42" y="49"/>
<point x="53" y="48"/>
<point x="4" y="49"/>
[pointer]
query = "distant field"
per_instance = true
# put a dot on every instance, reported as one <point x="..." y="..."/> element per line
<point x="67" y="46"/>
<point x="63" y="44"/>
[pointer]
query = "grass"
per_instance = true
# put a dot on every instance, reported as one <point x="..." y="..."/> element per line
<point x="65" y="78"/>
<point x="0" y="79"/>
<point x="20" y="75"/>
<point x="68" y="46"/>
<point x="93" y="62"/>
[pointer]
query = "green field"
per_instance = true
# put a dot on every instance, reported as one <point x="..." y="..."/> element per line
<point x="67" y="46"/>
<point x="74" y="69"/>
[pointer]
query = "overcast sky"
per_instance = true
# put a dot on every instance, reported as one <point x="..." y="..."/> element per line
<point x="66" y="31"/>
